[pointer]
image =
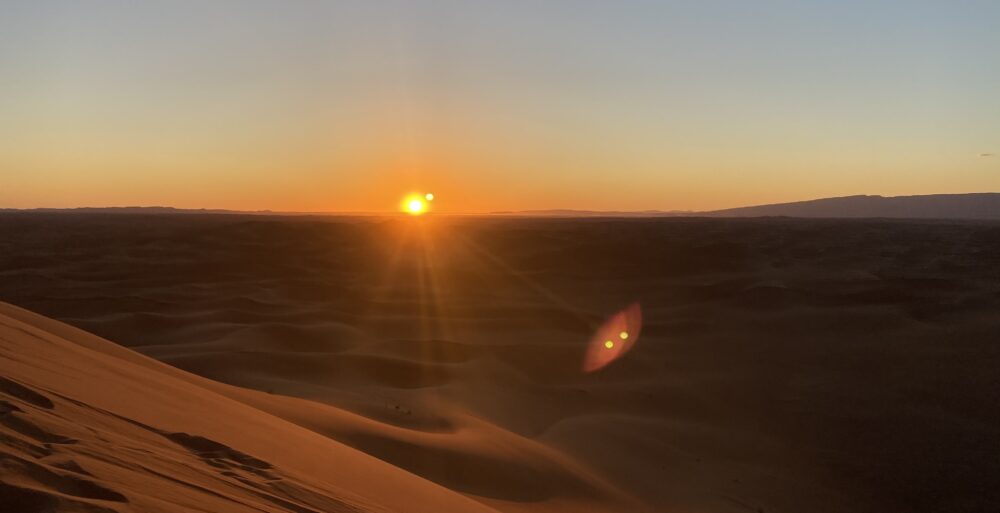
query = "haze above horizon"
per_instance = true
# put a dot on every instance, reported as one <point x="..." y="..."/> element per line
<point x="627" y="106"/>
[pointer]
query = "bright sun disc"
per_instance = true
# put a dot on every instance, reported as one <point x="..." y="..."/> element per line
<point x="414" y="205"/>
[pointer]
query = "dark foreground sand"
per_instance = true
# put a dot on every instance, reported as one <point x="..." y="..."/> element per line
<point x="435" y="365"/>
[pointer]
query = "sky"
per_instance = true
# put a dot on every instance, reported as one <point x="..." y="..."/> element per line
<point x="513" y="105"/>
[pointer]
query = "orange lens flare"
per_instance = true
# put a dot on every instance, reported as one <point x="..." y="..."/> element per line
<point x="614" y="338"/>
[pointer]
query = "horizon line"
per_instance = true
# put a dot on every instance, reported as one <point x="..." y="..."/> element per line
<point x="165" y="209"/>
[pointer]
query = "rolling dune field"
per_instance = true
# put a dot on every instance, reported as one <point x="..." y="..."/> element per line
<point x="323" y="364"/>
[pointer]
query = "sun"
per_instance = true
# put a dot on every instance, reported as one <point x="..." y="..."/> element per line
<point x="416" y="207"/>
<point x="416" y="204"/>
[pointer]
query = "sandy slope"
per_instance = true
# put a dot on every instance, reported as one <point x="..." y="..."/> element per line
<point x="88" y="426"/>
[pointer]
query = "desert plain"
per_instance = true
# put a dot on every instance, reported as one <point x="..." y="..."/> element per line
<point x="230" y="363"/>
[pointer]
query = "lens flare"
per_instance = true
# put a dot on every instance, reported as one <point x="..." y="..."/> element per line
<point x="603" y="349"/>
<point x="429" y="196"/>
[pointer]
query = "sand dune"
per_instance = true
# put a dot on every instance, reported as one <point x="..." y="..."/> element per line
<point x="783" y="365"/>
<point x="89" y="426"/>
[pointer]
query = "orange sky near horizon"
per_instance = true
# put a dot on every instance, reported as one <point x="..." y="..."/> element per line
<point x="591" y="106"/>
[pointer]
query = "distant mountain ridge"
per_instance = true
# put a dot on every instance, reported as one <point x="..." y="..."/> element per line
<point x="933" y="206"/>
<point x="984" y="205"/>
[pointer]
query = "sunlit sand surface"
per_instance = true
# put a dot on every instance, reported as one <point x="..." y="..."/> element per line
<point x="438" y="364"/>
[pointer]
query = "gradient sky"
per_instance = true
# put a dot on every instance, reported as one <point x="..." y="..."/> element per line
<point x="504" y="105"/>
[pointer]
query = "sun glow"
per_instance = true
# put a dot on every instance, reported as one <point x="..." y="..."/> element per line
<point x="415" y="204"/>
